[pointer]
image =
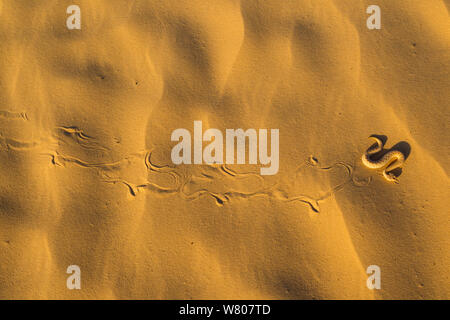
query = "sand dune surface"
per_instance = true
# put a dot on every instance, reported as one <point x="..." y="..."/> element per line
<point x="87" y="178"/>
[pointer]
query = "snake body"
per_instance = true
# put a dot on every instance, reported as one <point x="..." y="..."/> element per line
<point x="390" y="161"/>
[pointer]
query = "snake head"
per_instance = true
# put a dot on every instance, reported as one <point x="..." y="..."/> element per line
<point x="390" y="177"/>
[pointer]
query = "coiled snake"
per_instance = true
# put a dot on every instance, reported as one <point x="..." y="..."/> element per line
<point x="390" y="161"/>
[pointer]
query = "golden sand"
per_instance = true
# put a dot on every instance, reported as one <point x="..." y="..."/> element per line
<point x="87" y="178"/>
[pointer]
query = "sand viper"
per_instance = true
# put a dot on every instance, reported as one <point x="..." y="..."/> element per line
<point x="390" y="161"/>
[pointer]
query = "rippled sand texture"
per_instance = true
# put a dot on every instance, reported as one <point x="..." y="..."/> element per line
<point x="86" y="175"/>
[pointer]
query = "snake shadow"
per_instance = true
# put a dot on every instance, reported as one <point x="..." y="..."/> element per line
<point x="403" y="146"/>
